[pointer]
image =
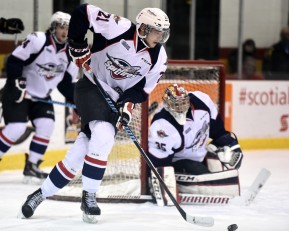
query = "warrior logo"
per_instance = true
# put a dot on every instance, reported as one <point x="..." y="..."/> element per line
<point x="120" y="69"/>
<point x="50" y="70"/>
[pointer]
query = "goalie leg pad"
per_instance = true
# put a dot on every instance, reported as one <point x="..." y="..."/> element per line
<point x="224" y="183"/>
<point x="161" y="197"/>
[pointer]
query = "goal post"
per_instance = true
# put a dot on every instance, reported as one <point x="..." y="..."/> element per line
<point x="125" y="178"/>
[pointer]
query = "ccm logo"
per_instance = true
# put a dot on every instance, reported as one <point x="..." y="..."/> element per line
<point x="284" y="123"/>
<point x="184" y="178"/>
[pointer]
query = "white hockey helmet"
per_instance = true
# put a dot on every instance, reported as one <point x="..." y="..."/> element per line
<point x="59" y="18"/>
<point x="62" y="19"/>
<point x="177" y="102"/>
<point x="153" y="18"/>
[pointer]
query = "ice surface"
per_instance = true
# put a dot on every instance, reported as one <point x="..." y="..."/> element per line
<point x="268" y="212"/>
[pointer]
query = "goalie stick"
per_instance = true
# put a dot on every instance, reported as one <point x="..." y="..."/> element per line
<point x="254" y="189"/>
<point x="202" y="221"/>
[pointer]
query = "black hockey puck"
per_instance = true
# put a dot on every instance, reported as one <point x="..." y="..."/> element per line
<point x="232" y="227"/>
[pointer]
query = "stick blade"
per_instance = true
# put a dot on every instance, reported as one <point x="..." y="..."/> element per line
<point x="249" y="196"/>
<point x="201" y="221"/>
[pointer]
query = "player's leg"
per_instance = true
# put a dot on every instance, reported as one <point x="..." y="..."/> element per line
<point x="97" y="122"/>
<point x="99" y="147"/>
<point x="38" y="145"/>
<point x="42" y="118"/>
<point x="9" y="134"/>
<point x="15" y="118"/>
<point x="61" y="174"/>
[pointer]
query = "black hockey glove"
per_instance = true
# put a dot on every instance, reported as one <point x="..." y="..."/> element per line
<point x="80" y="53"/>
<point x="11" y="26"/>
<point x="19" y="90"/>
<point x="125" y="113"/>
<point x="228" y="151"/>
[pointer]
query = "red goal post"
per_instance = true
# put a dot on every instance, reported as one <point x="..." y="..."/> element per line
<point x="125" y="178"/>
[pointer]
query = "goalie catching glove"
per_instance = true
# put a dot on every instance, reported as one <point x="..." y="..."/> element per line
<point x="79" y="52"/>
<point x="229" y="153"/>
<point x="125" y="113"/>
<point x="19" y="90"/>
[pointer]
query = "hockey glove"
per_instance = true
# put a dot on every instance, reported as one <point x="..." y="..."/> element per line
<point x="80" y="53"/>
<point x="11" y="26"/>
<point x="19" y="90"/>
<point x="230" y="156"/>
<point x="125" y="113"/>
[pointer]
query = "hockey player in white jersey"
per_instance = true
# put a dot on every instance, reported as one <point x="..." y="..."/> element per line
<point x="34" y="69"/>
<point x="128" y="60"/>
<point x="179" y="136"/>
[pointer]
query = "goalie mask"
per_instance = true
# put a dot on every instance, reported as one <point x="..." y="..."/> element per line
<point x="59" y="19"/>
<point x="177" y="102"/>
<point x="153" y="19"/>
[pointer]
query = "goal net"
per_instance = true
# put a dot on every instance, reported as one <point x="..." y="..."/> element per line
<point x="125" y="177"/>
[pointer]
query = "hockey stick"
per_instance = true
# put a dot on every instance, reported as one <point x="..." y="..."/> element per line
<point x="202" y="221"/>
<point x="254" y="189"/>
<point x="50" y="101"/>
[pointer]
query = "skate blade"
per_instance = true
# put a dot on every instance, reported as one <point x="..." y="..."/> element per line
<point x="32" y="180"/>
<point x="20" y="214"/>
<point x="92" y="219"/>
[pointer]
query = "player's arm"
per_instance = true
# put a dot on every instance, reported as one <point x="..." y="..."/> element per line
<point x="78" y="26"/>
<point x="156" y="72"/>
<point x="139" y="92"/>
<point x="66" y="86"/>
<point x="24" y="54"/>
<point x="88" y="17"/>
<point x="127" y="101"/>
<point x="21" y="56"/>
<point x="224" y="144"/>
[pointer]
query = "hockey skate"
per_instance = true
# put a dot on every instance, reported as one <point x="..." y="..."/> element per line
<point x="32" y="202"/>
<point x="89" y="207"/>
<point x="32" y="173"/>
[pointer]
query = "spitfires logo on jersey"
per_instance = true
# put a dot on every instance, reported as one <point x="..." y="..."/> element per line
<point x="50" y="70"/>
<point x="161" y="133"/>
<point x="120" y="69"/>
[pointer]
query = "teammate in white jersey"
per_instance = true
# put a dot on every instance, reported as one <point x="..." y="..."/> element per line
<point x="180" y="132"/>
<point x="128" y="60"/>
<point x="34" y="69"/>
<point x="11" y="25"/>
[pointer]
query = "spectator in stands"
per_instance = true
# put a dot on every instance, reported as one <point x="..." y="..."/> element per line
<point x="276" y="59"/>
<point x="249" y="70"/>
<point x="249" y="50"/>
<point x="11" y="25"/>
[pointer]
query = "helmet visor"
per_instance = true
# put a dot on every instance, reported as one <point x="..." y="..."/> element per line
<point x="163" y="34"/>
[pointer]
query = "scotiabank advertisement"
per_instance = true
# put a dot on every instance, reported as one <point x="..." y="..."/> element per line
<point x="258" y="111"/>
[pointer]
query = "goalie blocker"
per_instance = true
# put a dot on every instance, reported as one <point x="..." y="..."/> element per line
<point x="213" y="188"/>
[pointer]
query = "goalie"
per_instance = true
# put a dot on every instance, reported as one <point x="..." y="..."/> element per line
<point x="188" y="142"/>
